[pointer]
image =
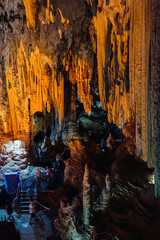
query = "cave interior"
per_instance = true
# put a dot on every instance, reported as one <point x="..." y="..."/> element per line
<point x="80" y="94"/>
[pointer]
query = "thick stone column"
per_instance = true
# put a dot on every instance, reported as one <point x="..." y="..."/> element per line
<point x="155" y="89"/>
<point x="138" y="67"/>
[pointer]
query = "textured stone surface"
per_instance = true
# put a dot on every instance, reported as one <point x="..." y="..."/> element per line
<point x="155" y="95"/>
<point x="47" y="46"/>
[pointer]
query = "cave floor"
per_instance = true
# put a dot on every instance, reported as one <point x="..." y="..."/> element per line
<point x="39" y="230"/>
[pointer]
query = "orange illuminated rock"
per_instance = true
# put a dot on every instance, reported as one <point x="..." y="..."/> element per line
<point x="31" y="12"/>
<point x="91" y="45"/>
<point x="35" y="88"/>
<point x="112" y="54"/>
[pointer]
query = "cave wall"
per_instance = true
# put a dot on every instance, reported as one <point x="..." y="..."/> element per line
<point x="92" y="45"/>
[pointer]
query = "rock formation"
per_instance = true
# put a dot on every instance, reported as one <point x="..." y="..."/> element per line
<point x="155" y="93"/>
<point x="55" y="52"/>
<point x="106" y="206"/>
<point x="74" y="70"/>
<point x="86" y="197"/>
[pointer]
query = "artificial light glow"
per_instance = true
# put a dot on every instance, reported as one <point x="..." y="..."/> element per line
<point x="15" y="147"/>
<point x="152" y="179"/>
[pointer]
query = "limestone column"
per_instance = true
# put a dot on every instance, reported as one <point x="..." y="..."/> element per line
<point x="139" y="65"/>
<point x="155" y="89"/>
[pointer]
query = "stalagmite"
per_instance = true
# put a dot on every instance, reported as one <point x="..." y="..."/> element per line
<point x="65" y="224"/>
<point x="87" y="205"/>
<point x="105" y="195"/>
<point x="86" y="197"/>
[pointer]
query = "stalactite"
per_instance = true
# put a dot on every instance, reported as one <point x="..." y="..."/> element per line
<point x="90" y="2"/>
<point x="83" y="77"/>
<point x="116" y="28"/>
<point x="49" y="13"/>
<point x="3" y="108"/>
<point x="45" y="15"/>
<point x="31" y="7"/>
<point x="124" y="26"/>
<point x="101" y="27"/>
<point x="73" y="104"/>
<point x="131" y="60"/>
<point x="80" y="73"/>
<point x="59" y="98"/>
<point x="35" y="82"/>
<point x="112" y="55"/>
<point x="63" y="20"/>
